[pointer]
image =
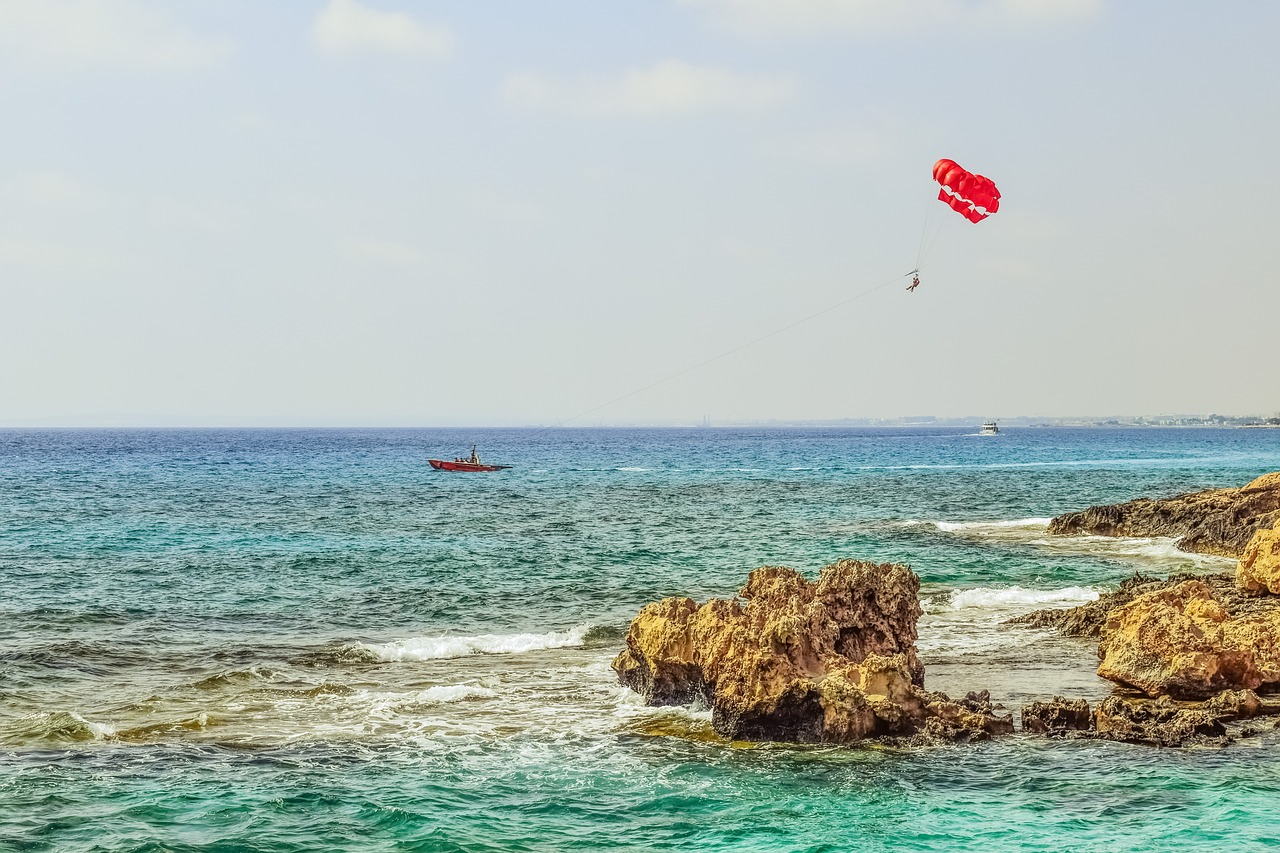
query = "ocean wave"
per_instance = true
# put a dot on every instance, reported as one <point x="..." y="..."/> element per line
<point x="962" y="623"/>
<point x="1017" y="596"/>
<point x="454" y="693"/>
<point x="444" y="647"/>
<point x="1032" y="531"/>
<point x="631" y="468"/>
<point x="235" y="677"/>
<point x="977" y="466"/>
<point x="346" y="654"/>
<point x="186" y="725"/>
<point x="985" y="526"/>
<point x="57" y="727"/>
<point x="1161" y="549"/>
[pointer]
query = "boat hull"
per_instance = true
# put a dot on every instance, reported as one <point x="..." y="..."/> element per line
<point x="446" y="465"/>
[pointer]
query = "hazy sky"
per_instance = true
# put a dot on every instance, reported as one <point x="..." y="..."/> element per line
<point x="392" y="212"/>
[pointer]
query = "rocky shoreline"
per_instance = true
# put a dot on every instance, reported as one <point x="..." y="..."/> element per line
<point x="835" y="661"/>
<point x="1214" y="521"/>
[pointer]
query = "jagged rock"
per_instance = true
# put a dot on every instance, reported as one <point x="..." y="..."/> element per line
<point x="830" y="661"/>
<point x="1214" y="521"/>
<point x="1087" y="620"/>
<point x="1258" y="572"/>
<point x="967" y="719"/>
<point x="1237" y="705"/>
<point x="663" y="669"/>
<point x="1182" y="642"/>
<point x="1159" y="723"/>
<point x="1057" y="716"/>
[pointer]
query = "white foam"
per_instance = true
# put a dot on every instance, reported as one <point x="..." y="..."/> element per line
<point x="1160" y="549"/>
<point x="66" y="723"/>
<point x="1017" y="596"/>
<point x="444" y="647"/>
<point x="983" y="526"/>
<point x="631" y="468"/>
<point x="1157" y="549"/>
<point x="969" y="622"/>
<point x="455" y="693"/>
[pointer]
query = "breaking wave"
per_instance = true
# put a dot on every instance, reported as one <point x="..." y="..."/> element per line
<point x="1016" y="596"/>
<point x="57" y="727"/>
<point x="1004" y="599"/>
<point x="985" y="526"/>
<point x="454" y="693"/>
<point x="441" y="648"/>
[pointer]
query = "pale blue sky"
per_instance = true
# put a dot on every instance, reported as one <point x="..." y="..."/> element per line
<point x="378" y="212"/>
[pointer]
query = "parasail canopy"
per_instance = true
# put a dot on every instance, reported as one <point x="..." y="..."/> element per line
<point x="972" y="196"/>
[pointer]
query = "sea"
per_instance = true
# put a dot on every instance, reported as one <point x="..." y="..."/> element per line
<point x="309" y="640"/>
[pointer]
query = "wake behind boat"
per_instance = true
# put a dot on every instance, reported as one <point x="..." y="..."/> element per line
<point x="471" y="463"/>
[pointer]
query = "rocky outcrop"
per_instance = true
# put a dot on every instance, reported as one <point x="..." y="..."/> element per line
<point x="828" y="661"/>
<point x="1057" y="716"/>
<point x="1214" y="521"/>
<point x="1181" y="641"/>
<point x="1240" y="705"/>
<point x="1258" y="572"/>
<point x="1158" y="723"/>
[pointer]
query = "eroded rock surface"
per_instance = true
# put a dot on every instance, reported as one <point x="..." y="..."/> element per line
<point x="1258" y="572"/>
<point x="1157" y="723"/>
<point x="828" y="661"/>
<point x="1214" y="521"/>
<point x="1181" y="641"/>
<point x="1057" y="716"/>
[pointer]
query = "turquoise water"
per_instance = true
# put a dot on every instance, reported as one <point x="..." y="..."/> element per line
<point x="305" y="640"/>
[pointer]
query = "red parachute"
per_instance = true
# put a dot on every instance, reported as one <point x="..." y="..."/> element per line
<point x="972" y="196"/>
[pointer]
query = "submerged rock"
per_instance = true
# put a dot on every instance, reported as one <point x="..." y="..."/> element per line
<point x="1214" y="521"/>
<point x="1159" y="722"/>
<point x="1057" y="716"/>
<point x="1156" y="723"/>
<point x="828" y="661"/>
<point x="1182" y="642"/>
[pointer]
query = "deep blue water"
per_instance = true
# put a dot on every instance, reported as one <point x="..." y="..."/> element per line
<point x="302" y="640"/>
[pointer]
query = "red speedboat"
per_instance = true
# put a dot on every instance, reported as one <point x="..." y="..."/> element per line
<point x="446" y="465"/>
<point x="471" y="463"/>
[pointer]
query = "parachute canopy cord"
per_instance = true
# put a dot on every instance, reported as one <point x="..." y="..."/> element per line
<point x="929" y="216"/>
<point x="730" y="352"/>
<point x="927" y="246"/>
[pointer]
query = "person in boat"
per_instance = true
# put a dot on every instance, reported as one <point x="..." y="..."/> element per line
<point x="915" y="282"/>
<point x="475" y="457"/>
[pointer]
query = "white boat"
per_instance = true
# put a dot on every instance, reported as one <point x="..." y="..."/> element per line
<point x="990" y="428"/>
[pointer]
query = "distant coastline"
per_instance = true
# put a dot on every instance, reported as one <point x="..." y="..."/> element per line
<point x="974" y="421"/>
<point x="1075" y="421"/>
